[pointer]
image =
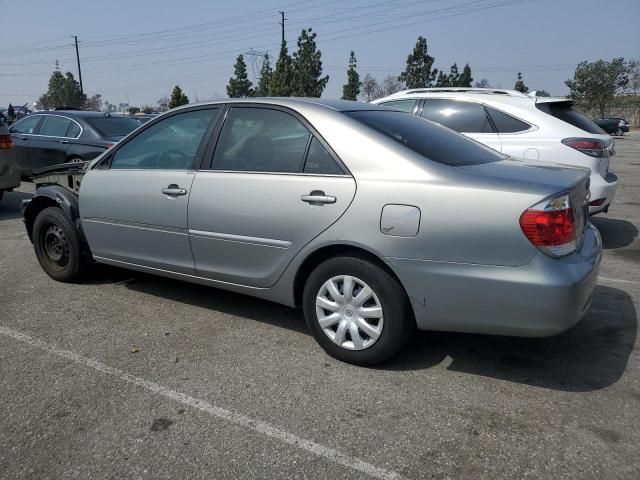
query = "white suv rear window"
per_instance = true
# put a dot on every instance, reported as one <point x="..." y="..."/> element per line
<point x="565" y="112"/>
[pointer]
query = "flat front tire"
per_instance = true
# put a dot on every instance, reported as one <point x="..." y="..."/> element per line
<point x="58" y="246"/>
<point x="356" y="310"/>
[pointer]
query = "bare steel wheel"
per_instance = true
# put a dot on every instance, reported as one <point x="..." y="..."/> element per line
<point x="55" y="246"/>
<point x="357" y="310"/>
<point x="349" y="312"/>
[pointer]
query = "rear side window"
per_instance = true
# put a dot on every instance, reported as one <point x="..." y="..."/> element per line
<point x="565" y="112"/>
<point x="404" y="105"/>
<point x="426" y="138"/>
<point x="319" y="161"/>
<point x="464" y="117"/>
<point x="54" y="126"/>
<point x="506" y="123"/>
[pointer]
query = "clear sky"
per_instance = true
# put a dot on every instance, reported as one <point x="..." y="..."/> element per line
<point x="140" y="49"/>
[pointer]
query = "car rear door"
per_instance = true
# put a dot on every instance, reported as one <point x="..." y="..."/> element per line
<point x="23" y="133"/>
<point x="466" y="117"/>
<point x="273" y="186"/>
<point x="133" y="204"/>
<point x="51" y="144"/>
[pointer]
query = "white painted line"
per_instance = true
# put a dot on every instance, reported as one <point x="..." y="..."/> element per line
<point x="232" y="417"/>
<point x="617" y="280"/>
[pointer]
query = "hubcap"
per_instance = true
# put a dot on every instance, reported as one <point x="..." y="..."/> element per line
<point x="55" y="245"/>
<point x="349" y="312"/>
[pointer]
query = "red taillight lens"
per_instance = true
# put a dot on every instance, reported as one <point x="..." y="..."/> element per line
<point x="593" y="147"/>
<point x="6" y="141"/>
<point x="550" y="226"/>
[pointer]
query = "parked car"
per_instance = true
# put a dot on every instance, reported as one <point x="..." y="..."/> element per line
<point x="49" y="138"/>
<point x="375" y="222"/>
<point x="536" y="128"/>
<point x="613" y="125"/>
<point x="9" y="173"/>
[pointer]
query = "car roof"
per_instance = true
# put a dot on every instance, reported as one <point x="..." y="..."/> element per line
<point x="293" y="102"/>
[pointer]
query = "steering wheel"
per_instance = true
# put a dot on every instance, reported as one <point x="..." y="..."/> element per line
<point x="173" y="158"/>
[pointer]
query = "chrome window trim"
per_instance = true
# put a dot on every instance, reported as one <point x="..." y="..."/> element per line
<point x="50" y="136"/>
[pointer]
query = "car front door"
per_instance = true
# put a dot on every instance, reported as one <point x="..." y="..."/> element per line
<point x="466" y="117"/>
<point x="51" y="144"/>
<point x="23" y="133"/>
<point x="273" y="186"/>
<point x="133" y="203"/>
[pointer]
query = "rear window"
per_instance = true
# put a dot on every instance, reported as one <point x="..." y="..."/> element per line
<point x="565" y="112"/>
<point x="113" y="126"/>
<point x="426" y="138"/>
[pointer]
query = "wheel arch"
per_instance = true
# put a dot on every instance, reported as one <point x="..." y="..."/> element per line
<point x="326" y="252"/>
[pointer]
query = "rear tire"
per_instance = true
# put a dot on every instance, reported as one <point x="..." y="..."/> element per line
<point x="58" y="245"/>
<point x="361" y="329"/>
<point x="619" y="132"/>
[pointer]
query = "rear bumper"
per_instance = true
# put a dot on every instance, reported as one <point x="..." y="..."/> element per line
<point x="9" y="174"/>
<point x="602" y="188"/>
<point x="542" y="298"/>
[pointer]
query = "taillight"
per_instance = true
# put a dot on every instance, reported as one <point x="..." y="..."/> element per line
<point x="6" y="141"/>
<point x="594" y="147"/>
<point x="550" y="226"/>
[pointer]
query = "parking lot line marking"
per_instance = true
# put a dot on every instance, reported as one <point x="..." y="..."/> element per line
<point x="202" y="405"/>
<point x="617" y="280"/>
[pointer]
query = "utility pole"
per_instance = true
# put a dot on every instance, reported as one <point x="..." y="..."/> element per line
<point x="78" y="59"/>
<point x="282" y="24"/>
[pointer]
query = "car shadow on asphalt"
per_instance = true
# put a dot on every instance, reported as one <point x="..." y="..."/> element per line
<point x="10" y="205"/>
<point x="590" y="356"/>
<point x="615" y="233"/>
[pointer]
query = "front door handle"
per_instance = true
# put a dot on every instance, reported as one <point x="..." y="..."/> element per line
<point x="317" y="198"/>
<point x="174" y="190"/>
<point x="24" y="138"/>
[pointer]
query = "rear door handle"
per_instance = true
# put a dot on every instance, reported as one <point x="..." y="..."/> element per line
<point x="64" y="141"/>
<point x="174" y="190"/>
<point x="24" y="138"/>
<point x="318" y="197"/>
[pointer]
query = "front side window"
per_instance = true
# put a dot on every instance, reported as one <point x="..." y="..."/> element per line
<point x="404" y="105"/>
<point x="55" y="126"/>
<point x="461" y="116"/>
<point x="506" y="123"/>
<point x="170" y="144"/>
<point x="27" y="126"/>
<point x="432" y="141"/>
<point x="261" y="140"/>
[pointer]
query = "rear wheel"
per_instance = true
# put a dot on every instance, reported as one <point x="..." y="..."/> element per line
<point x="357" y="312"/>
<point x="57" y="245"/>
<point x="619" y="132"/>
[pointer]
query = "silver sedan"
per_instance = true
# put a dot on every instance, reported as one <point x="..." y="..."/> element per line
<point x="374" y="221"/>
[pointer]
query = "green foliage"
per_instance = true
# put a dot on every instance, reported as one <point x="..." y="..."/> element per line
<point x="465" y="79"/>
<point x="542" y="93"/>
<point x="520" y="85"/>
<point x="240" y="86"/>
<point x="595" y="84"/>
<point x="351" y="89"/>
<point x="280" y="84"/>
<point x="177" y="98"/>
<point x="265" y="77"/>
<point x="442" y="80"/>
<point x="63" y="91"/>
<point x="418" y="73"/>
<point x="307" y="67"/>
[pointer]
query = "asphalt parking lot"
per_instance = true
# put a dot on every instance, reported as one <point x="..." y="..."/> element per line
<point x="133" y="376"/>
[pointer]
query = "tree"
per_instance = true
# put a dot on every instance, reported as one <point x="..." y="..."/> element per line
<point x="454" y="75"/>
<point x="240" y="86"/>
<point x="369" y="86"/>
<point x="520" y="85"/>
<point x="147" y="109"/>
<point x="390" y="85"/>
<point x="94" y="103"/>
<point x="595" y="84"/>
<point x="265" y="77"/>
<point x="443" y="80"/>
<point x="482" y="83"/>
<point x="418" y="73"/>
<point x="280" y="84"/>
<point x="163" y="103"/>
<point x="465" y="79"/>
<point x="133" y="110"/>
<point x="634" y="76"/>
<point x="109" y="107"/>
<point x="351" y="89"/>
<point x="63" y="91"/>
<point x="542" y="93"/>
<point x="178" y="98"/>
<point x="307" y="67"/>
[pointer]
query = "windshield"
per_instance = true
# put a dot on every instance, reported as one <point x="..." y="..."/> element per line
<point x="429" y="139"/>
<point x="113" y="126"/>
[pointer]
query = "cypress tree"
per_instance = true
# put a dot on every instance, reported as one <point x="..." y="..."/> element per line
<point x="351" y="89"/>
<point x="307" y="67"/>
<point x="240" y="86"/>
<point x="265" y="77"/>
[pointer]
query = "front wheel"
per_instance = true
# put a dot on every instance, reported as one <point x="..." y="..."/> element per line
<point x="619" y="132"/>
<point x="58" y="246"/>
<point x="357" y="311"/>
